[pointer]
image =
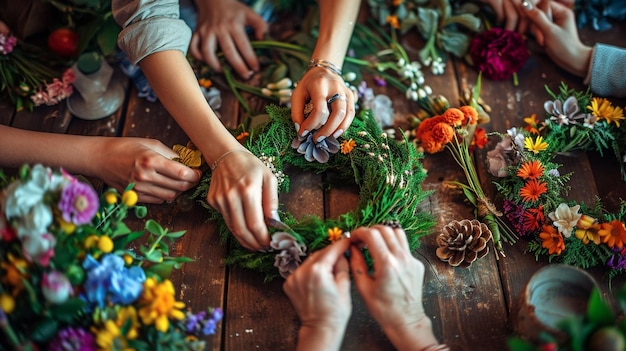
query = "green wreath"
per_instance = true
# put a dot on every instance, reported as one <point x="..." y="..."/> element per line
<point x="388" y="172"/>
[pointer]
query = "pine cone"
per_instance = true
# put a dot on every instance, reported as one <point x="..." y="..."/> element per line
<point x="461" y="243"/>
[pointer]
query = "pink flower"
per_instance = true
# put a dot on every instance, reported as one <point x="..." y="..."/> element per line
<point x="69" y="76"/>
<point x="79" y="203"/>
<point x="56" y="288"/>
<point x="7" y="43"/>
<point x="498" y="53"/>
<point x="39" y="248"/>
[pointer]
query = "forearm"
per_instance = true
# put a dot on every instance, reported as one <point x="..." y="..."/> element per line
<point x="337" y="21"/>
<point x="54" y="150"/>
<point x="173" y="80"/>
<point x="314" y="339"/>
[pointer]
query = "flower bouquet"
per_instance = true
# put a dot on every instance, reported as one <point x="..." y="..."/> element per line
<point x="533" y="188"/>
<point x="73" y="276"/>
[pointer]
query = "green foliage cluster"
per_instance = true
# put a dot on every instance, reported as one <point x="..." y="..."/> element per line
<point x="388" y="172"/>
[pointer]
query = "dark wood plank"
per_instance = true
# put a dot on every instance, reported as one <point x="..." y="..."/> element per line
<point x="54" y="119"/>
<point x="7" y="111"/>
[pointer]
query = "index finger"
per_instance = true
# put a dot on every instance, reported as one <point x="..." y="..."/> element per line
<point x="331" y="253"/>
<point x="373" y="239"/>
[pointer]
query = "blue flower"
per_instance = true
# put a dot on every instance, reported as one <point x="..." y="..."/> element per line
<point x="110" y="279"/>
<point x="318" y="151"/>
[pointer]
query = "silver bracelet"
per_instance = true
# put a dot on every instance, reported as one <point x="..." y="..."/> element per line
<point x="216" y="162"/>
<point x="326" y="64"/>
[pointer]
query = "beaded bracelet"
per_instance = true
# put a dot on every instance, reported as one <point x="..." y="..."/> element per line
<point x="326" y="64"/>
<point x="215" y="163"/>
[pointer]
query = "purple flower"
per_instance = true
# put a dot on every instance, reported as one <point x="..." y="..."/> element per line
<point x="618" y="260"/>
<point x="498" y="53"/>
<point x="202" y="322"/>
<point x="515" y="214"/>
<point x="318" y="151"/>
<point x="110" y="280"/>
<point x="79" y="203"/>
<point x="7" y="43"/>
<point x="73" y="339"/>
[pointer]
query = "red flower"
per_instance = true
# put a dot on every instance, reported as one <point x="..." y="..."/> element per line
<point x="498" y="53"/>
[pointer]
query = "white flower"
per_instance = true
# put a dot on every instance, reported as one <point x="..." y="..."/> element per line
<point x="565" y="218"/>
<point x="381" y="106"/>
<point x="56" y="287"/>
<point x="39" y="248"/>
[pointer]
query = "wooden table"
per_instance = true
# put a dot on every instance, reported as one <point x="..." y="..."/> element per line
<point x="469" y="307"/>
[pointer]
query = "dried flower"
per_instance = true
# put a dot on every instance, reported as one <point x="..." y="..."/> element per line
<point x="290" y="254"/>
<point x="498" y="53"/>
<point x="312" y="150"/>
<point x="564" y="113"/>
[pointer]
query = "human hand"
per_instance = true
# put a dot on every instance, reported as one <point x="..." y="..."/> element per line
<point x="244" y="190"/>
<point x="146" y="162"/>
<point x="223" y="23"/>
<point x="4" y="29"/>
<point x="560" y="37"/>
<point x="393" y="291"/>
<point x="318" y="85"/>
<point x="319" y="291"/>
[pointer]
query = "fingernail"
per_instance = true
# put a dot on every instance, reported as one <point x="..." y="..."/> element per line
<point x="275" y="215"/>
<point x="321" y="138"/>
<point x="527" y="5"/>
<point x="297" y="125"/>
<point x="338" y="133"/>
<point x="305" y="133"/>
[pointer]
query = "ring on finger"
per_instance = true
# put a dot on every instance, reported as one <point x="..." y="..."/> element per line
<point x="336" y="97"/>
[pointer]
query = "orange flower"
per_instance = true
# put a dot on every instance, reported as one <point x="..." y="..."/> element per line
<point x="530" y="170"/>
<point x="397" y="2"/>
<point x="552" y="240"/>
<point x="470" y="115"/>
<point x="334" y="234"/>
<point x="393" y="21"/>
<point x="442" y="133"/>
<point x="205" y="83"/>
<point x="426" y="125"/>
<point x="480" y="138"/>
<point x="532" y="190"/>
<point x="242" y="136"/>
<point x="613" y="234"/>
<point x="430" y="145"/>
<point x="453" y="116"/>
<point x="347" y="146"/>
<point x="533" y="218"/>
<point x="532" y="124"/>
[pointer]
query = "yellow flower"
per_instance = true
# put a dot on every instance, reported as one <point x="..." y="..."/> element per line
<point x="7" y="303"/>
<point x="129" y="198"/>
<point x="532" y="124"/>
<point x="536" y="146"/>
<point x="110" y="338"/>
<point x="347" y="146"/>
<point x="67" y="227"/>
<point x="158" y="304"/>
<point x="603" y="109"/>
<point x="110" y="198"/>
<point x="91" y="241"/>
<point x="587" y="230"/>
<point x="334" y="234"/>
<point x="128" y="259"/>
<point x="105" y="244"/>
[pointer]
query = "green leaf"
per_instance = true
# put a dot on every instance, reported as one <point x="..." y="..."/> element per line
<point x="428" y="22"/>
<point x="154" y="227"/>
<point x="163" y="269"/>
<point x="598" y="311"/>
<point x="68" y="311"/>
<point x="466" y="20"/>
<point x="107" y="36"/>
<point x="44" y="329"/>
<point x="120" y="229"/>
<point x="154" y="256"/>
<point x="519" y="344"/>
<point x="454" y="42"/>
<point x="178" y="234"/>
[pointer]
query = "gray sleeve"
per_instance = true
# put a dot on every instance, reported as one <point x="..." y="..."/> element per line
<point x="607" y="72"/>
<point x="150" y="26"/>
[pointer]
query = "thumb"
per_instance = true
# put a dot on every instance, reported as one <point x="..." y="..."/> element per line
<point x="358" y="267"/>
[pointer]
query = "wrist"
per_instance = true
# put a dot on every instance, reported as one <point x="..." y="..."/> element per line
<point x="317" y="337"/>
<point x="415" y="336"/>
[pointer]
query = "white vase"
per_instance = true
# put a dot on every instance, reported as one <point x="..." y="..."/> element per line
<point x="97" y="95"/>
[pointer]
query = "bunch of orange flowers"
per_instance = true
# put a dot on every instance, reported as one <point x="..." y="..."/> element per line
<point x="436" y="132"/>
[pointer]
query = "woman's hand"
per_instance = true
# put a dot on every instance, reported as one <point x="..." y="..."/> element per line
<point x="319" y="291"/>
<point x="244" y="190"/>
<point x="318" y="85"/>
<point x="393" y="291"/>
<point x="222" y="23"/>
<point x="146" y="162"/>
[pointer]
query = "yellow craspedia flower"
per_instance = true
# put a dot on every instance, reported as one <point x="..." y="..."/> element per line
<point x="159" y="304"/>
<point x="129" y="198"/>
<point x="110" y="338"/>
<point x="67" y="227"/>
<point x="110" y="198"/>
<point x="7" y="303"/>
<point x="105" y="244"/>
<point x="128" y="259"/>
<point x="91" y="241"/>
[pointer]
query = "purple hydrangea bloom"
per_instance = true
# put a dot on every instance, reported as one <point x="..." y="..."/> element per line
<point x="73" y="339"/>
<point x="111" y="280"/>
<point x="202" y="322"/>
<point x="318" y="151"/>
<point x="618" y="260"/>
<point x="79" y="203"/>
